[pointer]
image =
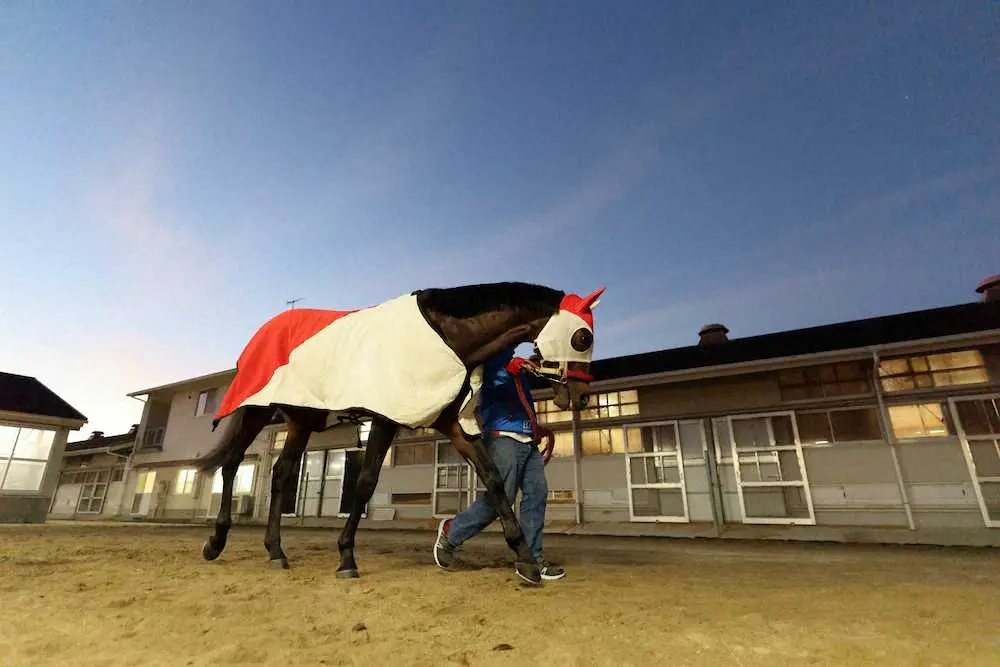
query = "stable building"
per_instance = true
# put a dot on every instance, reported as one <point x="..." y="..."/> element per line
<point x="34" y="425"/>
<point x="888" y="426"/>
<point x="92" y="476"/>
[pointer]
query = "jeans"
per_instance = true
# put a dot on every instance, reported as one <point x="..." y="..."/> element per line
<point x="521" y="467"/>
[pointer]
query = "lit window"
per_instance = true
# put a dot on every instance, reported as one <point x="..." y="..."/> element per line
<point x="612" y="404"/>
<point x="24" y="455"/>
<point x="146" y="481"/>
<point x="364" y="430"/>
<point x="922" y="420"/>
<point x="243" y="483"/>
<point x="935" y="370"/>
<point x="563" y="445"/>
<point x="597" y="441"/>
<point x="185" y="481"/>
<point x="279" y="440"/>
<point x="549" y="413"/>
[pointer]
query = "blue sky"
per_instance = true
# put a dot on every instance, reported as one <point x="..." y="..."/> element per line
<point x="172" y="173"/>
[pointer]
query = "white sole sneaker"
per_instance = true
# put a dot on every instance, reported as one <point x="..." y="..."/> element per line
<point x="440" y="539"/>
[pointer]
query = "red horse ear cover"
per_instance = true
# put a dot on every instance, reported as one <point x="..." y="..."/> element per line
<point x="582" y="307"/>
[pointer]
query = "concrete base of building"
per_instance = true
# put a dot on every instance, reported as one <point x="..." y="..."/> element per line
<point x="944" y="537"/>
<point x="24" y="509"/>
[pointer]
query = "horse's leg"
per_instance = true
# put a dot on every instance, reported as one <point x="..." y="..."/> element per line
<point x="379" y="440"/>
<point x="283" y="477"/>
<point x="246" y="423"/>
<point x="474" y="451"/>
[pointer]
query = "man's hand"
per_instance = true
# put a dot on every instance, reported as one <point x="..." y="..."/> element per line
<point x="550" y="444"/>
<point x="518" y="364"/>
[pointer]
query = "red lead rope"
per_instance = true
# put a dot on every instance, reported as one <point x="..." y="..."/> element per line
<point x="523" y="395"/>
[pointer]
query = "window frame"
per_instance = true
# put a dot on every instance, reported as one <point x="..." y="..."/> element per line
<point x="921" y="366"/>
<point x="7" y="459"/>
<point x="210" y="404"/>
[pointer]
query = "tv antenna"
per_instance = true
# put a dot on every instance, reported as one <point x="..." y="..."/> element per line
<point x="291" y="302"/>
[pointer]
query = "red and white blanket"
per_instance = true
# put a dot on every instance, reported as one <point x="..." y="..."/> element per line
<point x="385" y="359"/>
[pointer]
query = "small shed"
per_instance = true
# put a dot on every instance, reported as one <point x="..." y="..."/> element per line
<point x="34" y="425"/>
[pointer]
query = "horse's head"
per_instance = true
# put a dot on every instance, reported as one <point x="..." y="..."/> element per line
<point x="565" y="346"/>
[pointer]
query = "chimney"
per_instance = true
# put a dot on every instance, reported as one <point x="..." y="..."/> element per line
<point x="97" y="435"/>
<point x="712" y="334"/>
<point x="990" y="289"/>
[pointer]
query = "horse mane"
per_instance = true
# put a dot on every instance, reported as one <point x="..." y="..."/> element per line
<point x="472" y="300"/>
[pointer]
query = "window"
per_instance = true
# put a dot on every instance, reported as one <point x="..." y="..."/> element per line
<point x="145" y="481"/>
<point x="364" y="430"/>
<point x="829" y="380"/>
<point x="144" y="484"/>
<point x="612" y="404"/>
<point x="563" y="445"/>
<point x="921" y="420"/>
<point x="206" y="403"/>
<point x="413" y="454"/>
<point x="597" y="441"/>
<point x="979" y="417"/>
<point x="549" y="413"/>
<point x="242" y="484"/>
<point x="279" y="440"/>
<point x="935" y="370"/>
<point x="185" y="481"/>
<point x="562" y="496"/>
<point x="24" y="455"/>
<point x="829" y="426"/>
<point x="93" y="492"/>
<point x="411" y="498"/>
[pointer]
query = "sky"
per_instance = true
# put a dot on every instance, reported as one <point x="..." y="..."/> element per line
<point x="172" y="173"/>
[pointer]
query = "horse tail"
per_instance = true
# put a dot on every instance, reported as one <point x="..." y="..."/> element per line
<point x="215" y="456"/>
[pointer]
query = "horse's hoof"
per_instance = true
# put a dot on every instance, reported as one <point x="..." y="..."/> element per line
<point x="209" y="552"/>
<point x="279" y="563"/>
<point x="347" y="574"/>
<point x="529" y="573"/>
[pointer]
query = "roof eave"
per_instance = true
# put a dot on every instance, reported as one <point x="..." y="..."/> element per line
<point x="777" y="363"/>
<point x="43" y="420"/>
<point x="181" y="383"/>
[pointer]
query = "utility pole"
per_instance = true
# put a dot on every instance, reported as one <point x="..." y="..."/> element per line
<point x="291" y="302"/>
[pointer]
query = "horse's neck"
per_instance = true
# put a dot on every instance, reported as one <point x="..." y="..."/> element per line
<point x="476" y="339"/>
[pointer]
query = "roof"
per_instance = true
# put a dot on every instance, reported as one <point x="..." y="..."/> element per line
<point x="121" y="441"/>
<point x="184" y="382"/>
<point x="885" y="330"/>
<point x="20" y="393"/>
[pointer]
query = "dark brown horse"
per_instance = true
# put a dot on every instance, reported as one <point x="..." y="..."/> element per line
<point x="475" y="322"/>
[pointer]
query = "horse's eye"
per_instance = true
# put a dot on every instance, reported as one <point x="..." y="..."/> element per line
<point x="582" y="340"/>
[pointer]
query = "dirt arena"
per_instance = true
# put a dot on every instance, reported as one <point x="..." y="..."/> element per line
<point x="78" y="594"/>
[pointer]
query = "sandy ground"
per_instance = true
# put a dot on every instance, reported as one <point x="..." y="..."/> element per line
<point x="77" y="594"/>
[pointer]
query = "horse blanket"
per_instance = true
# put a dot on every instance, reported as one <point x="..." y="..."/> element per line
<point x="385" y="359"/>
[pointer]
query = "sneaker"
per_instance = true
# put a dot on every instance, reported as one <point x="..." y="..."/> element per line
<point x="444" y="552"/>
<point x="551" y="572"/>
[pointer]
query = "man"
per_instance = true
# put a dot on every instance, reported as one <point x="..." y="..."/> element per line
<point x="511" y="434"/>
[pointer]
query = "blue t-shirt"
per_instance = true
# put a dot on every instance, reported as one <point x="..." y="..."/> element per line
<point x="500" y="407"/>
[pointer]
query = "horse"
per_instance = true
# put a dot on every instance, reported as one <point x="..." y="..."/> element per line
<point x="413" y="361"/>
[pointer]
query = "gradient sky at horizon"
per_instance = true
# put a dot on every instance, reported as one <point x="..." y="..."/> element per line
<point x="172" y="173"/>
